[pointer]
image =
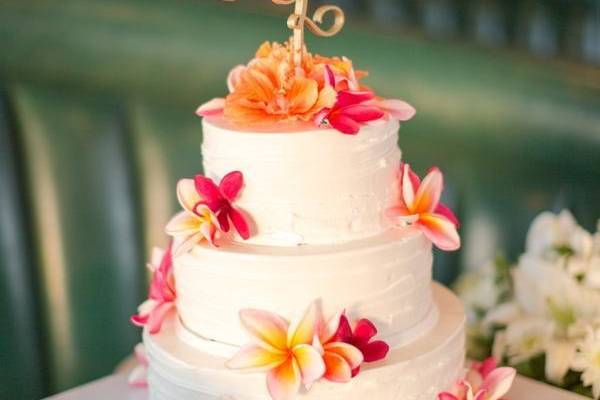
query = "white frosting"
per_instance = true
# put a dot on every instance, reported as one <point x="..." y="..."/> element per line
<point x="417" y="371"/>
<point x="315" y="186"/>
<point x="385" y="278"/>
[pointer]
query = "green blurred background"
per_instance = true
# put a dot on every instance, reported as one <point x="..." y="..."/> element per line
<point x="97" y="123"/>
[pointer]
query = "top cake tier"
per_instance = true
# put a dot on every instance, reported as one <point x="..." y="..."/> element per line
<point x="308" y="186"/>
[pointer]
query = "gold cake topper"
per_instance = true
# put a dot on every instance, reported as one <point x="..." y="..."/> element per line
<point x="299" y="20"/>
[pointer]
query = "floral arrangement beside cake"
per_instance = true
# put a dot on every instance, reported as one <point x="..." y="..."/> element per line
<point x="542" y="315"/>
<point x="300" y="263"/>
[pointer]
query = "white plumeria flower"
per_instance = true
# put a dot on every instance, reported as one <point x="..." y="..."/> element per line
<point x="587" y="361"/>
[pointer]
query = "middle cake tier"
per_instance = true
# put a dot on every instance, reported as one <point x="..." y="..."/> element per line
<point x="385" y="278"/>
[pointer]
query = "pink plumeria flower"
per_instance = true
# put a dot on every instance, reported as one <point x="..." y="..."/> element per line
<point x="284" y="350"/>
<point x="162" y="294"/>
<point x="419" y="205"/>
<point x="351" y="110"/>
<point x="483" y="382"/>
<point x="356" y="106"/>
<point x="361" y="338"/>
<point x="219" y="200"/>
<point x="341" y="358"/>
<point x="138" y="377"/>
<point x="197" y="222"/>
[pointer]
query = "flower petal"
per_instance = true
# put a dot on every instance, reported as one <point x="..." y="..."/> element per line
<point x="157" y="317"/>
<point x="187" y="243"/>
<point x="303" y="331"/>
<point x="139" y="319"/>
<point x="336" y="368"/>
<point x="559" y="356"/>
<point x="183" y="224"/>
<point x="487" y="366"/>
<point x="156" y="258"/>
<point x="364" y="331"/>
<point x="441" y="231"/>
<point x="447" y="396"/>
<point x="239" y="222"/>
<point x="284" y="381"/>
<point x="498" y="382"/>
<point x="302" y="95"/>
<point x="267" y="328"/>
<point x="375" y="351"/>
<point x="138" y="377"/>
<point x="329" y="76"/>
<point x="208" y="190"/>
<point x="344" y="124"/>
<point x="187" y="195"/>
<point x="344" y="331"/>
<point x="256" y="359"/>
<point x="362" y="113"/>
<point x="347" y="97"/>
<point x="212" y="108"/>
<point x="408" y="186"/>
<point x="329" y="329"/>
<point x="444" y="210"/>
<point x="351" y="354"/>
<point x="234" y="77"/>
<point x="310" y="363"/>
<point x="428" y="196"/>
<point x="208" y="231"/>
<point x="223" y="219"/>
<point x="140" y="354"/>
<point x="398" y="109"/>
<point x="231" y="184"/>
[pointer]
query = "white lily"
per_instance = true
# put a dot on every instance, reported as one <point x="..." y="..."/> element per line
<point x="552" y="235"/>
<point x="526" y="338"/>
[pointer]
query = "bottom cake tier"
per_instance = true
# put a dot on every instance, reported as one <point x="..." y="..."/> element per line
<point x="415" y="371"/>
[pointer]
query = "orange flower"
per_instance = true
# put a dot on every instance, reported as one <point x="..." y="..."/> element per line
<point x="271" y="90"/>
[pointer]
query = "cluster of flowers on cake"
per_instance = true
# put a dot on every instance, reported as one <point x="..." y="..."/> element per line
<point x="207" y="211"/>
<point x="325" y="91"/>
<point x="162" y="294"/>
<point x="542" y="315"/>
<point x="419" y="205"/>
<point x="306" y="350"/>
<point x="483" y="381"/>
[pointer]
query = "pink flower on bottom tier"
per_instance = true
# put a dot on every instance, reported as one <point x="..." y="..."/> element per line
<point x="484" y="381"/>
<point x="361" y="338"/>
<point x="162" y="295"/>
<point x="138" y="377"/>
<point x="285" y="350"/>
<point x="419" y="205"/>
<point x="341" y="358"/>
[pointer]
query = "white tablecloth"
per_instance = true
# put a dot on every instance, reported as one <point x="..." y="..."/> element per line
<point x="115" y="387"/>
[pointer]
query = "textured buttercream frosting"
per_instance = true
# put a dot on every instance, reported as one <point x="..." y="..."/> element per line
<point x="416" y="371"/>
<point x="385" y="278"/>
<point x="308" y="186"/>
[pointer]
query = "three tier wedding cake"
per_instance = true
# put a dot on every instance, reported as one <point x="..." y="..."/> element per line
<point x="300" y="264"/>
